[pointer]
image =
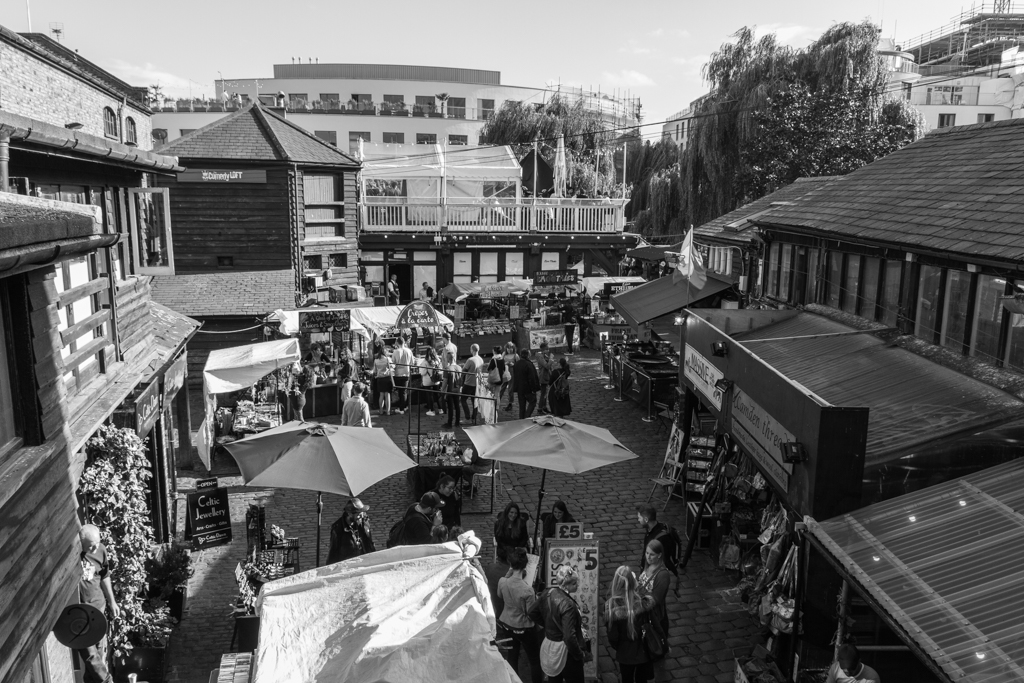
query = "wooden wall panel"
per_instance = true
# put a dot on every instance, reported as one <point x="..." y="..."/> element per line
<point x="199" y="346"/>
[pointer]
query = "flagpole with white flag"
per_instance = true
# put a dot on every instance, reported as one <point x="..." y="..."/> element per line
<point x="690" y="267"/>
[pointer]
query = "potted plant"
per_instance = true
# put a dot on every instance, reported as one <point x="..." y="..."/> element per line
<point x="170" y="567"/>
<point x="113" y="491"/>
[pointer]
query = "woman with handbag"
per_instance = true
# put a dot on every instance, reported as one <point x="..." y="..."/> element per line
<point x="383" y="371"/>
<point x="654" y="581"/>
<point x="514" y="622"/>
<point x="627" y="615"/>
<point x="430" y="372"/>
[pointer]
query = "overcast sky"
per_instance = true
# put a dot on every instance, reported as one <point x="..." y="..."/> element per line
<point x="652" y="48"/>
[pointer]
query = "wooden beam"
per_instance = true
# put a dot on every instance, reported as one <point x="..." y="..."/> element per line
<point x="83" y="354"/>
<point x="69" y="296"/>
<point x="78" y="329"/>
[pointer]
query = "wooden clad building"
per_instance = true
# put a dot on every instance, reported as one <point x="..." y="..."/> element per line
<point x="81" y="233"/>
<point x="262" y="194"/>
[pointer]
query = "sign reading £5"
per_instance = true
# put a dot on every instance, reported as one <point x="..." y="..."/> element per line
<point x="704" y="376"/>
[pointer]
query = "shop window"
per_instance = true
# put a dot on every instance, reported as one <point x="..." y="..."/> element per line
<point x="394" y="138"/>
<point x="82" y="320"/>
<point x="337" y="261"/>
<point x="131" y="133"/>
<point x="869" y="287"/>
<point x="426" y="139"/>
<point x="549" y="260"/>
<point x="773" y="269"/>
<point x="835" y="281"/>
<point x="851" y="289"/>
<point x="458" y="139"/>
<point x="463" y="263"/>
<point x="891" y="292"/>
<point x="424" y="256"/>
<point x="929" y="292"/>
<point x="1015" y="343"/>
<point x="152" y="250"/>
<point x="785" y="271"/>
<point x="988" y="317"/>
<point x="328" y="136"/>
<point x="488" y="263"/>
<point x="811" y="294"/>
<point x="373" y="273"/>
<point x="954" y="314"/>
<point x="513" y="264"/>
<point x="109" y="123"/>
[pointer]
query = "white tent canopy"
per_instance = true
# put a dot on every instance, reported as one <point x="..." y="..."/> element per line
<point x="377" y="319"/>
<point x="236" y="368"/>
<point x="412" y="613"/>
<point x="456" y="162"/>
<point x="594" y="286"/>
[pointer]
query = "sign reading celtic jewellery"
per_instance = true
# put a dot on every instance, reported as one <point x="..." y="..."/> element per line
<point x="221" y="175"/>
<point x="761" y="436"/>
<point x="704" y="376"/>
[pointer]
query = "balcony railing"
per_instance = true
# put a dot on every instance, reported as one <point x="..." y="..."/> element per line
<point x="968" y="97"/>
<point x="410" y="214"/>
<point x="300" y="106"/>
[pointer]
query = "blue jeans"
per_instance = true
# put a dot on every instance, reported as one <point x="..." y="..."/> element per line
<point x="94" y="663"/>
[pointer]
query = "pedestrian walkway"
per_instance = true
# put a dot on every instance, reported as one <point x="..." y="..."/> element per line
<point x="709" y="627"/>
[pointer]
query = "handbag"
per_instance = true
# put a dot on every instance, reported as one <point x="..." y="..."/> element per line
<point x="506" y="376"/>
<point x="494" y="376"/>
<point x="655" y="644"/>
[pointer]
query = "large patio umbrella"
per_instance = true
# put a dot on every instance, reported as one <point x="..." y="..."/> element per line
<point x="318" y="457"/>
<point x="549" y="443"/>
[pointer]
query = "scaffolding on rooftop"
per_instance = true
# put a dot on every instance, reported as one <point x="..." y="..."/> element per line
<point x="974" y="38"/>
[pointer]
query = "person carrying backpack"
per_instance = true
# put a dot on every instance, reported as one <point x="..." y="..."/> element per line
<point x="558" y="394"/>
<point x="419" y="520"/>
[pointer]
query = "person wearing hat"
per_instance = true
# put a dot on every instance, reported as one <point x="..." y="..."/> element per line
<point x="350" y="535"/>
<point x="94" y="588"/>
<point x="421" y="518"/>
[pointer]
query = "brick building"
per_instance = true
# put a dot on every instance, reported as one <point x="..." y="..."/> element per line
<point x="81" y="344"/>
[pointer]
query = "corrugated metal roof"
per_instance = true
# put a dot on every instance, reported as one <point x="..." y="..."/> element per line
<point x="947" y="564"/>
<point x="911" y="399"/>
<point x="662" y="296"/>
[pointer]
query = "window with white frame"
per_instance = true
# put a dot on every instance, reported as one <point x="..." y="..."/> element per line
<point x="110" y="126"/>
<point x="131" y="133"/>
<point x="151" y="248"/>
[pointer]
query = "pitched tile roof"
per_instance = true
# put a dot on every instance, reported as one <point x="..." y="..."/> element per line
<point x="958" y="190"/>
<point x="243" y="293"/>
<point x="737" y="226"/>
<point x="255" y="133"/>
<point x="170" y="329"/>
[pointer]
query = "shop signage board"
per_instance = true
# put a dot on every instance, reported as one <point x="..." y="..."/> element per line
<point x="617" y="287"/>
<point x="209" y="517"/>
<point x="417" y="314"/>
<point x="554" y="336"/>
<point x="555" y="277"/>
<point x="174" y="378"/>
<point x="325" y="320"/>
<point x="222" y="175"/>
<point x="704" y="375"/>
<point x="147" y="409"/>
<point x="584" y="556"/>
<point x="761" y="436"/>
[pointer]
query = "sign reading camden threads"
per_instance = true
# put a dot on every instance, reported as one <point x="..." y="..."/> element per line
<point x="704" y="376"/>
<point x="762" y="436"/>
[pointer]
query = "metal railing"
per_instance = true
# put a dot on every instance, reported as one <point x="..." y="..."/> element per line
<point x="301" y="106"/>
<point x="967" y="97"/>
<point x="410" y="214"/>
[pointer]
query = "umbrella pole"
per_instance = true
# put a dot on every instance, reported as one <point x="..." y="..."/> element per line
<point x="540" y="502"/>
<point x="319" y="516"/>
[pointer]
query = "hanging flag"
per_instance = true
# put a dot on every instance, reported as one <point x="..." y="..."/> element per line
<point x="691" y="265"/>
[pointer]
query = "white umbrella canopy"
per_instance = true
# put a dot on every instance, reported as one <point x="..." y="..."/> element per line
<point x="549" y="443"/>
<point x="318" y="457"/>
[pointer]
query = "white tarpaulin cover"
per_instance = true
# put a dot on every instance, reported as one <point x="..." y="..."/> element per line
<point x="390" y="161"/>
<point x="594" y="286"/>
<point x="376" y="319"/>
<point x="236" y="368"/>
<point x="413" y="613"/>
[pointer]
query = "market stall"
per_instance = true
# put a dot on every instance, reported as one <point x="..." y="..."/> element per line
<point x="646" y="373"/>
<point x="486" y="313"/>
<point x="236" y="370"/>
<point x="383" y="323"/>
<point x="599" y="323"/>
<point x="411" y="613"/>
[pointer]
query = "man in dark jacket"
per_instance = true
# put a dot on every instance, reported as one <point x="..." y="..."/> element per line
<point x="525" y="383"/>
<point x="647" y="517"/>
<point x="350" y="535"/>
<point x="560" y="616"/>
<point x="421" y="518"/>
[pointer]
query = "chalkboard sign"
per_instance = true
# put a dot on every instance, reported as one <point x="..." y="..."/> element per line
<point x="555" y="277"/>
<point x="209" y="516"/>
<point x="417" y="314"/>
<point x="325" y="320"/>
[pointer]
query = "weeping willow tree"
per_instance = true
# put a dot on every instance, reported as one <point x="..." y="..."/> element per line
<point x="775" y="113"/>
<point x="518" y="124"/>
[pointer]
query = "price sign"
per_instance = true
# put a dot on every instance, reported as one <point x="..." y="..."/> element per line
<point x="569" y="531"/>
<point x="584" y="556"/>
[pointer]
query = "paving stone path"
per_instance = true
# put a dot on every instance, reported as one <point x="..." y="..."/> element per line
<point x="709" y="628"/>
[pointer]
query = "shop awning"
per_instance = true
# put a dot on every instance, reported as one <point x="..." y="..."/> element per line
<point x="594" y="286"/>
<point x="945" y="567"/>
<point x="376" y="319"/>
<point x="653" y="252"/>
<point x="662" y="296"/>
<point x="460" y="290"/>
<point x="912" y="400"/>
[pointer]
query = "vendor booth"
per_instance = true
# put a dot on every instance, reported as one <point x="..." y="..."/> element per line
<point x="598" y="320"/>
<point x="486" y="313"/>
<point x="411" y="613"/>
<point x="382" y="323"/>
<point x="243" y="369"/>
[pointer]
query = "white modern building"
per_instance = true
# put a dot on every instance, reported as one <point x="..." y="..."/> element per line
<point x="343" y="103"/>
<point x="970" y="70"/>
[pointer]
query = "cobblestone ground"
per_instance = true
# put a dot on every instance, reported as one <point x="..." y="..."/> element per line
<point x="708" y="625"/>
